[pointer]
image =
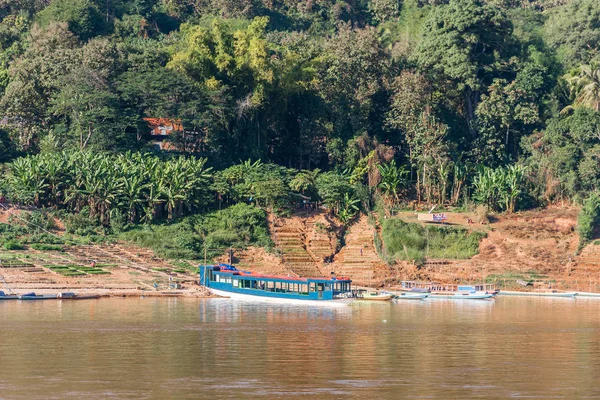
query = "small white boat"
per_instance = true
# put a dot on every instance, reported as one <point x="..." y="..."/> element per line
<point x="373" y="296"/>
<point x="588" y="294"/>
<point x="538" y="294"/>
<point x="408" y="295"/>
<point x="462" y="295"/>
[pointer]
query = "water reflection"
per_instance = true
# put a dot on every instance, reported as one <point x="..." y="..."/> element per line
<point x="186" y="348"/>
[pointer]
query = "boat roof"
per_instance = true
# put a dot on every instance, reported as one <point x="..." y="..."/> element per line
<point x="231" y="270"/>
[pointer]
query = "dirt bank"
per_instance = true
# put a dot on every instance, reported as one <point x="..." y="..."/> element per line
<point x="537" y="246"/>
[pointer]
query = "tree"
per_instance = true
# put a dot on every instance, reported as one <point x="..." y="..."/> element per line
<point x="467" y="42"/>
<point x="351" y="72"/>
<point x="392" y="178"/>
<point x="34" y="78"/>
<point x="585" y="86"/>
<point x="82" y="17"/>
<point x="305" y="182"/>
<point x="574" y="30"/>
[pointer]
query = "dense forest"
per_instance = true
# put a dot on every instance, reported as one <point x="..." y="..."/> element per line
<point x="346" y="102"/>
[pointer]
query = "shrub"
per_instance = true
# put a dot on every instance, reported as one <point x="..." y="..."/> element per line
<point x="237" y="227"/>
<point x="46" y="247"/>
<point x="588" y="219"/>
<point x="13" y="245"/>
<point x="413" y="242"/>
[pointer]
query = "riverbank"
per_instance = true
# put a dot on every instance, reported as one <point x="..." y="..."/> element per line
<point x="534" y="246"/>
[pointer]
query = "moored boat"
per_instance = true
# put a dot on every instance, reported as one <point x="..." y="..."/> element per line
<point x="227" y="281"/>
<point x="408" y="295"/>
<point x="462" y="295"/>
<point x="75" y="296"/>
<point x="373" y="296"/>
<point x="4" y="296"/>
<point x="426" y="287"/>
<point x="537" y="294"/>
<point x="33" y="296"/>
<point x="588" y="294"/>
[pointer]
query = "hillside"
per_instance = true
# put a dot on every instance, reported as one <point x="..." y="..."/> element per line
<point x="536" y="245"/>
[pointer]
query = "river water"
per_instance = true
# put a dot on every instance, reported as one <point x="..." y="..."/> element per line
<point x="219" y="348"/>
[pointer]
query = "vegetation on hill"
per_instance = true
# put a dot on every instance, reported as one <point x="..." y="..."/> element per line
<point x="414" y="242"/>
<point x="343" y="102"/>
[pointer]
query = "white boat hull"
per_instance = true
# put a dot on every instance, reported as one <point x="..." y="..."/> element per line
<point x="538" y="294"/>
<point x="276" y="300"/>
<point x="588" y="294"/>
<point x="462" y="296"/>
<point x="409" y="295"/>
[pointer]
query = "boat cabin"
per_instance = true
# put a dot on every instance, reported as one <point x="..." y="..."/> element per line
<point x="417" y="286"/>
<point x="227" y="278"/>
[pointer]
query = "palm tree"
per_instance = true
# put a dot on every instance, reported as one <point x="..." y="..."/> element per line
<point x="585" y="86"/>
<point x="305" y="181"/>
<point x="392" y="178"/>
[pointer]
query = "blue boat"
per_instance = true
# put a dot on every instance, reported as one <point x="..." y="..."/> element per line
<point x="4" y="296"/>
<point x="227" y="281"/>
<point x="33" y="296"/>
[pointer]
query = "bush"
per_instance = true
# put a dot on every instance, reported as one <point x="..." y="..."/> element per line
<point x="45" y="238"/>
<point x="13" y="245"/>
<point x="588" y="219"/>
<point x="46" y="247"/>
<point x="79" y="224"/>
<point x="413" y="242"/>
<point x="238" y="226"/>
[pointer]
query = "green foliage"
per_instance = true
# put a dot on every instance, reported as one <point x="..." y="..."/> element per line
<point x="589" y="219"/>
<point x="431" y="87"/>
<point x="574" y="29"/>
<point x="132" y="183"/>
<point x="499" y="189"/>
<point x="392" y="179"/>
<point x="333" y="189"/>
<point x="82" y="16"/>
<point x="414" y="242"/>
<point x="237" y="227"/>
<point x="564" y="159"/>
<point x="13" y="245"/>
<point x="46" y="247"/>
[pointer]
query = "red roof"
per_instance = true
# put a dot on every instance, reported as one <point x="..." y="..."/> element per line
<point x="164" y="126"/>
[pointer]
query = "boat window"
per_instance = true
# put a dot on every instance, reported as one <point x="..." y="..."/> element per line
<point x="235" y="283"/>
<point x="304" y="289"/>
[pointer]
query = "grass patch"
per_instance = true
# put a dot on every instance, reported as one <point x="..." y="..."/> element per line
<point x="13" y="245"/>
<point x="76" y="270"/>
<point x="238" y="226"/>
<point x="180" y="271"/>
<point x="46" y="247"/>
<point x="184" y="265"/>
<point x="414" y="242"/>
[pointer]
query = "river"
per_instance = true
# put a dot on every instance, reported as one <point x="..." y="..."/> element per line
<point x="217" y="348"/>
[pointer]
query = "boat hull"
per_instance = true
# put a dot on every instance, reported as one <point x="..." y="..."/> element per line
<point x="386" y="297"/>
<point x="588" y="294"/>
<point x="276" y="300"/>
<point x="462" y="296"/>
<point x="541" y="294"/>
<point x="39" y="297"/>
<point x="411" y="296"/>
